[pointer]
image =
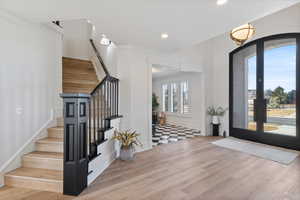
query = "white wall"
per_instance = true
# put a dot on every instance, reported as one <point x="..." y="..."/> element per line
<point x="213" y="55"/>
<point x="135" y="92"/>
<point x="30" y="81"/>
<point x="199" y="56"/>
<point x="109" y="55"/>
<point x="76" y="39"/>
<point x="196" y="93"/>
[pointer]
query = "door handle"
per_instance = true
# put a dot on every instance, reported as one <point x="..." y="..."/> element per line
<point x="265" y="110"/>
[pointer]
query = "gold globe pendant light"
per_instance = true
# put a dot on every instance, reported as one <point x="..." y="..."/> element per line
<point x="242" y="33"/>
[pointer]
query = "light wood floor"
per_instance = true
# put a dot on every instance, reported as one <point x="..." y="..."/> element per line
<point x="193" y="169"/>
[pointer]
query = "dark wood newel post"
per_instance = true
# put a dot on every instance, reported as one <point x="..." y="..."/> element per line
<point x="75" y="142"/>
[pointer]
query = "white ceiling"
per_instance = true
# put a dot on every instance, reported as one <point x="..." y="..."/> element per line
<point x="160" y="71"/>
<point x="140" y="22"/>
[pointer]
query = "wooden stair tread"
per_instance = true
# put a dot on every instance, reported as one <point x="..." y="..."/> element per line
<point x="56" y="128"/>
<point x="17" y="193"/>
<point x="80" y="85"/>
<point x="45" y="155"/>
<point x="76" y="60"/>
<point x="89" y="82"/>
<point x="88" y="89"/>
<point x="77" y="72"/>
<point x="35" y="173"/>
<point x="50" y="140"/>
<point x="82" y="76"/>
<point x="70" y="67"/>
<point x="77" y="91"/>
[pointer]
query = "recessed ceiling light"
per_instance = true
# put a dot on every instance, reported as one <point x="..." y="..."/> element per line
<point x="221" y="2"/>
<point x="164" y="36"/>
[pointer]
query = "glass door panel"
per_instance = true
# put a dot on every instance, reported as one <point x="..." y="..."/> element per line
<point x="280" y="86"/>
<point x="244" y="88"/>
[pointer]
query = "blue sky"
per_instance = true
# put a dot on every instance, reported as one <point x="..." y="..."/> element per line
<point x="280" y="69"/>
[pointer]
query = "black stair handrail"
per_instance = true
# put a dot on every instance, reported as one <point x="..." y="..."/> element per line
<point x="99" y="58"/>
<point x="103" y="106"/>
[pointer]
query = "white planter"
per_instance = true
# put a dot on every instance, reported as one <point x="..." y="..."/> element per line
<point x="215" y="119"/>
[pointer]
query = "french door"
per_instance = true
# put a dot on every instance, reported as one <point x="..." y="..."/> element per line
<point x="264" y="91"/>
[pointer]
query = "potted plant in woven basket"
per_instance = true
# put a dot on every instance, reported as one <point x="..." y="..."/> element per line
<point x="128" y="139"/>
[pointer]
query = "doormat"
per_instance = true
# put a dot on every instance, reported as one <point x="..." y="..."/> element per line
<point x="277" y="155"/>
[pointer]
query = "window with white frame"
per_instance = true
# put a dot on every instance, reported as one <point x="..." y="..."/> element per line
<point x="184" y="95"/>
<point x="165" y="97"/>
<point x="175" y="97"/>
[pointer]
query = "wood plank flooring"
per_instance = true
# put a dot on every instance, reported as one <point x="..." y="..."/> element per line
<point x="192" y="169"/>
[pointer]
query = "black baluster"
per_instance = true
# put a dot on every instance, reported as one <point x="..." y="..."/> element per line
<point x="117" y="104"/>
<point x="101" y="107"/>
<point x="94" y="119"/>
<point x="90" y="129"/>
<point x="114" y="98"/>
<point x="105" y="103"/>
<point x="98" y="114"/>
<point x="111" y="98"/>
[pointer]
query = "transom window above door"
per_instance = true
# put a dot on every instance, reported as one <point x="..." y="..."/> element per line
<point x="175" y="97"/>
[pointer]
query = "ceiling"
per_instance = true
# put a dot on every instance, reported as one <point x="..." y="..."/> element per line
<point x="160" y="71"/>
<point x="140" y="22"/>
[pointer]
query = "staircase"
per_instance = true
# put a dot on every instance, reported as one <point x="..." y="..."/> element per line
<point x="42" y="169"/>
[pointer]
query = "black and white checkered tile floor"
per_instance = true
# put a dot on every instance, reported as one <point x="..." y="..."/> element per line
<point x="167" y="133"/>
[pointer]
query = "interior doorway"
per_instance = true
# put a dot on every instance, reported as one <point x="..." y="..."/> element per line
<point x="175" y="104"/>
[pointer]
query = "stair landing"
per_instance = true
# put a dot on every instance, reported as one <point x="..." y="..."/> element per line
<point x="79" y="76"/>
